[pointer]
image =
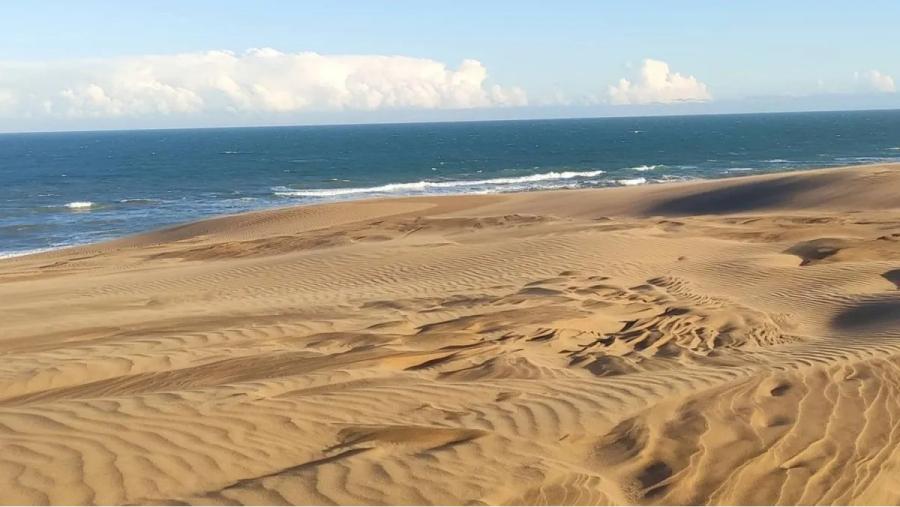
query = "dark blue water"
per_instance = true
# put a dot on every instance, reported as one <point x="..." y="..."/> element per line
<point x="68" y="188"/>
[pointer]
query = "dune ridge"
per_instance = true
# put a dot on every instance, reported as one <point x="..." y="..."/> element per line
<point x="719" y="342"/>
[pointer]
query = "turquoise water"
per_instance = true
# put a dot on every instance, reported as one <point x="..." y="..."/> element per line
<point x="61" y="189"/>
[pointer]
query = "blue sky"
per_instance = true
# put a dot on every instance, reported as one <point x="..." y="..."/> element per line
<point x="72" y="65"/>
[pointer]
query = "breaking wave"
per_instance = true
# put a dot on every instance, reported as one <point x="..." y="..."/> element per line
<point x="532" y="182"/>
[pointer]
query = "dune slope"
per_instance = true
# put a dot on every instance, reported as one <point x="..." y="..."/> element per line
<point x="724" y="342"/>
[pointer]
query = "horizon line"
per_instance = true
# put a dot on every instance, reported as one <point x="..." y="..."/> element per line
<point x="439" y="122"/>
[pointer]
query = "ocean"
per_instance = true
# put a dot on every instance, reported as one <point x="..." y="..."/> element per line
<point x="61" y="189"/>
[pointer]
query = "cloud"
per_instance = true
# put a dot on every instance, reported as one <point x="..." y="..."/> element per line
<point x="256" y="81"/>
<point x="877" y="81"/>
<point x="7" y="100"/>
<point x="657" y="84"/>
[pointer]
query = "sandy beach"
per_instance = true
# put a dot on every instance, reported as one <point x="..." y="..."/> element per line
<point x="733" y="341"/>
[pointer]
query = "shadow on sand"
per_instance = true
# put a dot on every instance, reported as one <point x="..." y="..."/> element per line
<point x="743" y="196"/>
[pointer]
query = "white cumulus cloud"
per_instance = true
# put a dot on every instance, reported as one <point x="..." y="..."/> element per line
<point x="658" y="84"/>
<point x="878" y="81"/>
<point x="256" y="81"/>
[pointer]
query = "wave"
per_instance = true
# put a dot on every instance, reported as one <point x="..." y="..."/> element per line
<point x="138" y="201"/>
<point x="20" y="253"/>
<point x="865" y="159"/>
<point x="643" y="168"/>
<point x="79" y="204"/>
<point x="425" y="186"/>
<point x="668" y="178"/>
<point x="632" y="181"/>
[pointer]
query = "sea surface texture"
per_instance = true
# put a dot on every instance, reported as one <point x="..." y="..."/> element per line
<point x="60" y="189"/>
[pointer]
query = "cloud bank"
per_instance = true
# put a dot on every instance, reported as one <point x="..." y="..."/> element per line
<point x="657" y="84"/>
<point x="878" y="81"/>
<point x="256" y="81"/>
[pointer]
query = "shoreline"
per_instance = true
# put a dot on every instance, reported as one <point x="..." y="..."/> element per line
<point x="667" y="184"/>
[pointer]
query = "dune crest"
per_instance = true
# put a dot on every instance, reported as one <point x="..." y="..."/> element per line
<point x="718" y="342"/>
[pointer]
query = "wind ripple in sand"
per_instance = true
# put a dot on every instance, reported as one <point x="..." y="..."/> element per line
<point x="463" y="350"/>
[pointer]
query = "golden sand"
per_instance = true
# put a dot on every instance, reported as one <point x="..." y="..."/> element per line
<point x="727" y="342"/>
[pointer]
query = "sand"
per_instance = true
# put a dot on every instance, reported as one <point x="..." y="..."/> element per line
<point x="725" y="342"/>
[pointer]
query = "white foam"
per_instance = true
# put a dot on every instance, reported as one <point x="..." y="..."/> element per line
<point x="863" y="159"/>
<point x="425" y="186"/>
<point x="665" y="178"/>
<point x="643" y="168"/>
<point x="632" y="181"/>
<point x="137" y="201"/>
<point x="79" y="204"/>
<point x="20" y="253"/>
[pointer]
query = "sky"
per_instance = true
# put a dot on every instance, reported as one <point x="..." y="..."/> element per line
<point x="111" y="64"/>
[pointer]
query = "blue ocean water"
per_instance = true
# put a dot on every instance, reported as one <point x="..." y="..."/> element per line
<point x="59" y="189"/>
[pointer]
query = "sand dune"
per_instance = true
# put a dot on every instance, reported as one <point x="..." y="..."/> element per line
<point x="723" y="342"/>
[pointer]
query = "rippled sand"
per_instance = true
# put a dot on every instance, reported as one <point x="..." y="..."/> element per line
<point x="726" y="342"/>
